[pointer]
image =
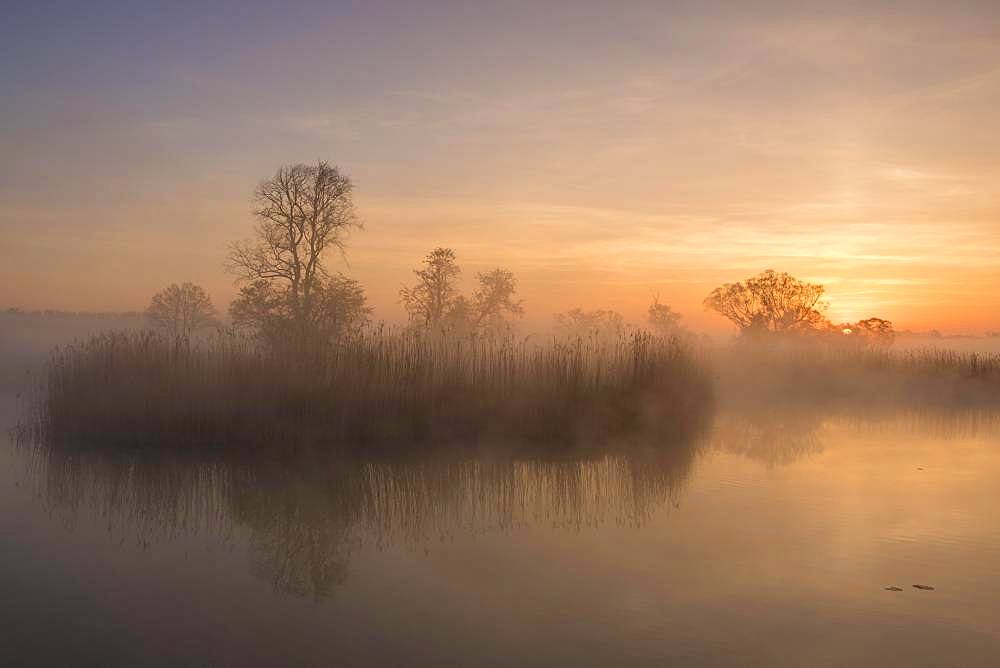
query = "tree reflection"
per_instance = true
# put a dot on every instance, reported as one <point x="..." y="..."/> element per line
<point x="786" y="436"/>
<point x="772" y="438"/>
<point x="304" y="520"/>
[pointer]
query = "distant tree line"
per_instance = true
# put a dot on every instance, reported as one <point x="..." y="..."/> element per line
<point x="288" y="295"/>
<point x="772" y="304"/>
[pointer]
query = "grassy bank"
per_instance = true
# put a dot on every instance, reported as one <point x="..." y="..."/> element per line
<point x="380" y="388"/>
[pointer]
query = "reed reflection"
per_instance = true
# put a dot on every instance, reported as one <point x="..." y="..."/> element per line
<point x="783" y="437"/>
<point x="304" y="520"/>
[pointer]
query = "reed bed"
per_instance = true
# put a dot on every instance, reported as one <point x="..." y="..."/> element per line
<point x="859" y="377"/>
<point x="380" y="387"/>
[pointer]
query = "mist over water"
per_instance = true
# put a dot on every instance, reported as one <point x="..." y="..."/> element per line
<point x="605" y="497"/>
<point x="500" y="333"/>
<point x="768" y="537"/>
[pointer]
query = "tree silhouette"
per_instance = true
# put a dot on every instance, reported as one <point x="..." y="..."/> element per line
<point x="605" y="325"/>
<point x="339" y="308"/>
<point x="663" y="320"/>
<point x="302" y="212"/>
<point x="871" y="332"/>
<point x="434" y="295"/>
<point x="770" y="302"/>
<point x="181" y="310"/>
<point x="494" y="300"/>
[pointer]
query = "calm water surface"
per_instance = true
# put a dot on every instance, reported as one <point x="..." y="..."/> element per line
<point x="769" y="542"/>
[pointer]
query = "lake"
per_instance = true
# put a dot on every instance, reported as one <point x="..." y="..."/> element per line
<point x="768" y="540"/>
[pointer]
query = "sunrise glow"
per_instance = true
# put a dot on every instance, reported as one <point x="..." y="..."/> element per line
<point x="683" y="150"/>
<point x="500" y="333"/>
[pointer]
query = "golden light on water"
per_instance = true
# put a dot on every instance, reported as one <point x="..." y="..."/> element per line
<point x="443" y="333"/>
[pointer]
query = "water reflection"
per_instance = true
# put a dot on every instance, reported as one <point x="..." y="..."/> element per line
<point x="772" y="438"/>
<point x="783" y="437"/>
<point x="304" y="520"/>
<point x="789" y="530"/>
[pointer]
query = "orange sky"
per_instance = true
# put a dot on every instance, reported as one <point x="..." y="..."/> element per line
<point x="603" y="156"/>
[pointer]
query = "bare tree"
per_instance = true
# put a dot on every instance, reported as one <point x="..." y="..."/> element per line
<point x="302" y="212"/>
<point x="494" y="300"/>
<point x="770" y="302"/>
<point x="434" y="294"/>
<point x="181" y="310"/>
<point x="605" y="325"/>
<point x="663" y="320"/>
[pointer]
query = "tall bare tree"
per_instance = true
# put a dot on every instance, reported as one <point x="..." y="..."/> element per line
<point x="181" y="310"/>
<point x="433" y="296"/>
<point x="770" y="302"/>
<point x="303" y="211"/>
